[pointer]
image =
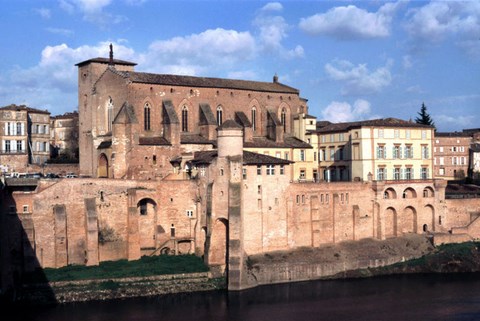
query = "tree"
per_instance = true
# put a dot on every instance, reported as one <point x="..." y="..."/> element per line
<point x="423" y="117"/>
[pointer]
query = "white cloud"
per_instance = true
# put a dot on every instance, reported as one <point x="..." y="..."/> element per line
<point x="351" y="22"/>
<point x="59" y="31"/>
<point x="358" y="79"/>
<point x="456" y="121"/>
<point x="52" y="83"/>
<point x="438" y="21"/>
<point x="93" y="11"/>
<point x="44" y="13"/>
<point x="273" y="29"/>
<point x="415" y="90"/>
<point x="407" y="62"/>
<point x="245" y="74"/>
<point x="272" y="6"/>
<point x="213" y="48"/>
<point x="339" y="112"/>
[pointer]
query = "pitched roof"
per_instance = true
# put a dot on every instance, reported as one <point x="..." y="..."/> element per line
<point x="242" y="119"/>
<point x="188" y="138"/>
<point x="229" y="124"/>
<point x="14" y="107"/>
<point x="249" y="158"/>
<point x="169" y="114"/>
<point x="190" y="81"/>
<point x="453" y="134"/>
<point x="106" y="61"/>
<point x="382" y="122"/>
<point x="289" y="142"/>
<point x="105" y="144"/>
<point x="126" y="115"/>
<point x="206" y="115"/>
<point x="153" y="141"/>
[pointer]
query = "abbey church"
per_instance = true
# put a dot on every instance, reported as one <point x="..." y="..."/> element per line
<point x="224" y="169"/>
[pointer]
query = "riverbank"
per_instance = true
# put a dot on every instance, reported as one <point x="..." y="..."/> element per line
<point x="335" y="261"/>
<point x="359" y="259"/>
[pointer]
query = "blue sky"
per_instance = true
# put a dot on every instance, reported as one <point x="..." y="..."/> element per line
<point x="352" y="60"/>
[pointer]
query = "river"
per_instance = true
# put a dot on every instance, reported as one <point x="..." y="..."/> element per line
<point x="405" y="297"/>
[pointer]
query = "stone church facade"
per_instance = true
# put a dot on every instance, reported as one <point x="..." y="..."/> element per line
<point x="166" y="168"/>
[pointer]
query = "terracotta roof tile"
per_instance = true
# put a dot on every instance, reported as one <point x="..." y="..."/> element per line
<point x="190" y="81"/>
<point x="289" y="142"/>
<point x="385" y="122"/>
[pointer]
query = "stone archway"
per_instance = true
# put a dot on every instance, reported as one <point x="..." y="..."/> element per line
<point x="390" y="222"/>
<point x="147" y="218"/>
<point x="218" y="251"/>
<point x="408" y="220"/>
<point x="102" y="171"/>
<point x="427" y="217"/>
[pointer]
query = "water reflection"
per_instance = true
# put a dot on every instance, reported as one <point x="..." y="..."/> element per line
<point x="417" y="297"/>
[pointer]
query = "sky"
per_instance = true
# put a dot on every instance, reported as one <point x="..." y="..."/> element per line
<point x="352" y="60"/>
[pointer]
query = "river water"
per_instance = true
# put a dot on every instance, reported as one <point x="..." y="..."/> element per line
<point x="405" y="297"/>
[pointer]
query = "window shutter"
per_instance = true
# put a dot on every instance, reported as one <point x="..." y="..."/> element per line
<point x="402" y="173"/>
<point x="22" y="128"/>
<point x="23" y="145"/>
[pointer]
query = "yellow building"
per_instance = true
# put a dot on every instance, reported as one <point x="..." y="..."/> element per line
<point x="380" y="149"/>
<point x="304" y="127"/>
<point x="292" y="149"/>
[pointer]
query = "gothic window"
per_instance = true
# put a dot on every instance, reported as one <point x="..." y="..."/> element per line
<point x="109" y="114"/>
<point x="284" y="119"/>
<point x="254" y="118"/>
<point x="185" y="119"/>
<point x="146" y="117"/>
<point x="219" y="115"/>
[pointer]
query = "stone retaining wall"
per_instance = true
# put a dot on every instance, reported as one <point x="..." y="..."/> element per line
<point x="106" y="289"/>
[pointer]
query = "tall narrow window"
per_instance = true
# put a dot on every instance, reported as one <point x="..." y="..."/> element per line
<point x="219" y="115"/>
<point x="110" y="114"/>
<point x="284" y="120"/>
<point x="146" y="117"/>
<point x="185" y="119"/>
<point x="254" y="118"/>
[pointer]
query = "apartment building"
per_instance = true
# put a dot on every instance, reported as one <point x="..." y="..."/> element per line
<point x="451" y="155"/>
<point x="379" y="149"/>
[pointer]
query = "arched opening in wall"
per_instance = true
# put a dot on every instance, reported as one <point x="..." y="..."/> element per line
<point x="408" y="220"/>
<point x="390" y="222"/>
<point x="428" y="192"/>
<point x="390" y="193"/>
<point x="425" y="228"/>
<point x="147" y="217"/>
<point x="254" y="118"/>
<point x="427" y="217"/>
<point x="409" y="193"/>
<point x="219" y="115"/>
<point x="218" y="252"/>
<point x="102" y="166"/>
<point x="109" y="114"/>
<point x="284" y="119"/>
<point x="146" y="117"/>
<point x="185" y="119"/>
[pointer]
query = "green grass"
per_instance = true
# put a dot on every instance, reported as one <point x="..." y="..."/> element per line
<point x="146" y="266"/>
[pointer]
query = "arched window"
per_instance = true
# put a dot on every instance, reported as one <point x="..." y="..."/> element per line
<point x="146" y="117"/>
<point x="284" y="119"/>
<point x="109" y="114"/>
<point x="219" y="115"/>
<point x="185" y="119"/>
<point x="254" y="118"/>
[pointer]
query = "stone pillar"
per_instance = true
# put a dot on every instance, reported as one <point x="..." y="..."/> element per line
<point x="61" y="254"/>
<point x="28" y="242"/>
<point x="91" y="230"/>
<point x="133" y="237"/>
